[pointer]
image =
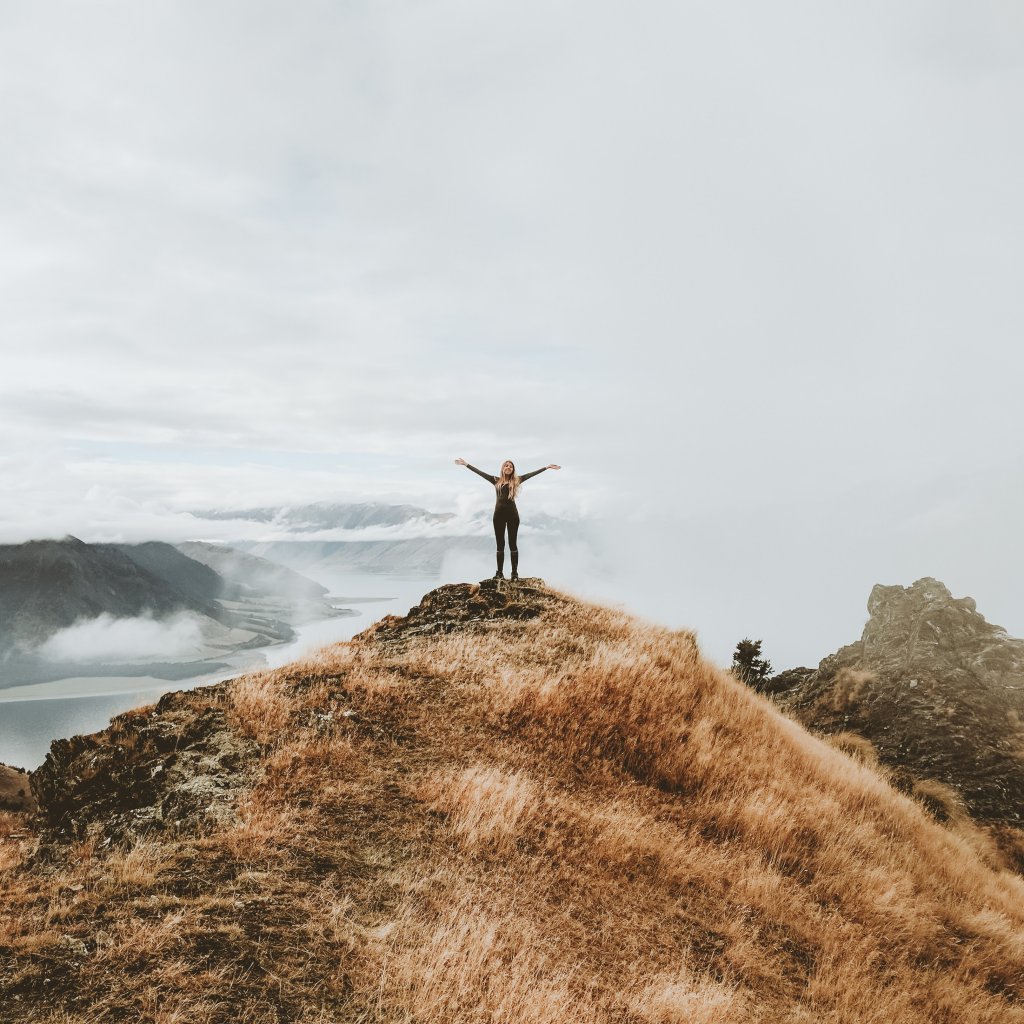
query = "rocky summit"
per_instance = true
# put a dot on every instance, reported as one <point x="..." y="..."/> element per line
<point x="465" y="606"/>
<point x="175" y="767"/>
<point x="935" y="688"/>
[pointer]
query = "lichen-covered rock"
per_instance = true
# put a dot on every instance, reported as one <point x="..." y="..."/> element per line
<point x="937" y="690"/>
<point x="172" y="766"/>
<point x="461" y="605"/>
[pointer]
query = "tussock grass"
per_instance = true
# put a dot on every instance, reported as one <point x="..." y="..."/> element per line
<point x="573" y="818"/>
<point x="259" y="706"/>
<point x="683" y="997"/>
<point x="12" y="840"/>
<point x="265" y="827"/>
<point x="484" y="804"/>
<point x="136" y="868"/>
<point x="478" y="965"/>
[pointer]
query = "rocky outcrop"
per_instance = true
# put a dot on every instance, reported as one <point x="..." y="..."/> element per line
<point x="465" y="605"/>
<point x="172" y="766"/>
<point x="937" y="690"/>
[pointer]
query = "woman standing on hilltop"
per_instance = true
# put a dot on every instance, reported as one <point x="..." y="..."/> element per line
<point x="506" y="515"/>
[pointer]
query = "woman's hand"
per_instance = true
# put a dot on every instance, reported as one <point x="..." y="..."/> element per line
<point x="552" y="466"/>
<point x="460" y="462"/>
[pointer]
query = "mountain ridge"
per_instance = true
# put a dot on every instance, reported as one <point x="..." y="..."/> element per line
<point x="508" y="805"/>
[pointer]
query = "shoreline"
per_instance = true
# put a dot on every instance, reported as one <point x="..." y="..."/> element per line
<point x="76" y="687"/>
<point x="34" y="714"/>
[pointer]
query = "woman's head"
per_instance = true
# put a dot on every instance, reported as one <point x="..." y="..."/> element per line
<point x="510" y="477"/>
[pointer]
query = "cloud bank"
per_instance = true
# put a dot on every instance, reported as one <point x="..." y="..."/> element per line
<point x="749" y="272"/>
<point x="109" y="640"/>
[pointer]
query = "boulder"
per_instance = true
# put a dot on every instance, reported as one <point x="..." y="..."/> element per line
<point x="170" y="766"/>
<point x="937" y="689"/>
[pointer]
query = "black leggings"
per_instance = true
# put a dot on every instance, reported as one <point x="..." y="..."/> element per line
<point x="506" y="516"/>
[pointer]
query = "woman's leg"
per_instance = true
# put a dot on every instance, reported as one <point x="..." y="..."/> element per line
<point x="499" y="537"/>
<point x="513" y="536"/>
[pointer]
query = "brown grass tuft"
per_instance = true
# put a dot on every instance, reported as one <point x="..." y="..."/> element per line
<point x="259" y="706"/>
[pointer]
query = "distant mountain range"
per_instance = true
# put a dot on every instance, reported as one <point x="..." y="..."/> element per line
<point x="413" y="555"/>
<point x="234" y="601"/>
<point x="328" y="516"/>
<point x="47" y="585"/>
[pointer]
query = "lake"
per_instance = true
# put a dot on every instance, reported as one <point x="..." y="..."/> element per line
<point x="34" y="715"/>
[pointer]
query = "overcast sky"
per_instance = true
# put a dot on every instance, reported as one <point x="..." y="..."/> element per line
<point x="751" y="273"/>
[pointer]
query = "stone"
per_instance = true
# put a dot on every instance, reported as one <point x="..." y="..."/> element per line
<point x="937" y="689"/>
<point x="170" y="767"/>
<point x="464" y="605"/>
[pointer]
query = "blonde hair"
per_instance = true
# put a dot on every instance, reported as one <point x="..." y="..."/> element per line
<point x="513" y="485"/>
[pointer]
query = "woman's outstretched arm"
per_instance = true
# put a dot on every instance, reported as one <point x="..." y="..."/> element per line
<point x="479" y="472"/>
<point x="526" y="476"/>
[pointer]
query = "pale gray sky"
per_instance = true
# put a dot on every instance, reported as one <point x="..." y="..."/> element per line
<point x="751" y="273"/>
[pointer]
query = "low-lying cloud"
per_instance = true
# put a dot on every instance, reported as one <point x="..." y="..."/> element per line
<point x="106" y="639"/>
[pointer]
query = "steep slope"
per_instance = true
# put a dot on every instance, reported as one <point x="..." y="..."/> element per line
<point x="46" y="585"/>
<point x="509" y="805"/>
<point x="937" y="690"/>
<point x="194" y="584"/>
<point x="259" y="574"/>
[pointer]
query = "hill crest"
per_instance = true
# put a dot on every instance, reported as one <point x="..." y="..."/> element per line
<point x="508" y="805"/>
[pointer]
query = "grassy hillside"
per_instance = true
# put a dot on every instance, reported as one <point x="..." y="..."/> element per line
<point x="510" y="806"/>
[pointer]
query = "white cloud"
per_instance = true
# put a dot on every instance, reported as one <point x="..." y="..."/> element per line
<point x="109" y="640"/>
<point x="725" y="263"/>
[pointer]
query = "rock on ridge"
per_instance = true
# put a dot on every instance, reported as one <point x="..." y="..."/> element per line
<point x="936" y="688"/>
<point x="462" y="606"/>
<point x="172" y="766"/>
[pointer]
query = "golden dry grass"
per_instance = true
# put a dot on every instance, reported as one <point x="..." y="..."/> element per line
<point x="569" y="819"/>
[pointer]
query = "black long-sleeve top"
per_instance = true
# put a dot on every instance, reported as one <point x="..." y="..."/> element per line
<point x="502" y="491"/>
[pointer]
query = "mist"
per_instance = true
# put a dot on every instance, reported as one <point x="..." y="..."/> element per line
<point x="750" y="274"/>
<point x="109" y="640"/>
